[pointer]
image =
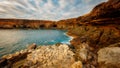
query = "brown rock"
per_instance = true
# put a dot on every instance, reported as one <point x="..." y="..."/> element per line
<point x="109" y="57"/>
<point x="77" y="64"/>
<point x="33" y="46"/>
<point x="3" y="62"/>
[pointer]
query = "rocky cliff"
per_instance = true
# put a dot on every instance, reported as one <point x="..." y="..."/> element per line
<point x="23" y="23"/>
<point x="104" y="13"/>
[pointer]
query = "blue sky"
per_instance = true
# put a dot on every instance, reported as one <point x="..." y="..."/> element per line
<point x="46" y="9"/>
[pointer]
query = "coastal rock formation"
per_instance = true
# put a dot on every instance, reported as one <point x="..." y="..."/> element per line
<point x="106" y="13"/>
<point x="93" y="33"/>
<point x="102" y="14"/>
<point x="3" y="62"/>
<point x="32" y="46"/>
<point x="109" y="57"/>
<point x="52" y="57"/>
<point x="7" y="61"/>
<point x="11" y="60"/>
<point x="23" y="23"/>
<point x="87" y="55"/>
<point x="99" y="27"/>
<point x="101" y="36"/>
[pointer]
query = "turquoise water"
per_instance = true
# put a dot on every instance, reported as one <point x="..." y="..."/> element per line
<point x="15" y="40"/>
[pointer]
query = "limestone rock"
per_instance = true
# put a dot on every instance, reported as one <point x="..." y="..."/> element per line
<point x="109" y="57"/>
<point x="77" y="65"/>
<point x="52" y="57"/>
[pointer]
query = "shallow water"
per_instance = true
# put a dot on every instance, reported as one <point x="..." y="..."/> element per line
<point x="15" y="40"/>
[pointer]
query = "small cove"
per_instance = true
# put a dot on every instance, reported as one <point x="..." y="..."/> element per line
<point x="12" y="40"/>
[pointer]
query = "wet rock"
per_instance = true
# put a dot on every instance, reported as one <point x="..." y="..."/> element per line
<point x="33" y="46"/>
<point x="109" y="57"/>
<point x="3" y="62"/>
<point x="16" y="57"/>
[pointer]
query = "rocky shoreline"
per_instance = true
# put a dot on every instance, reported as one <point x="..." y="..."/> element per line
<point x="42" y="56"/>
<point x="95" y="43"/>
<point x="63" y="55"/>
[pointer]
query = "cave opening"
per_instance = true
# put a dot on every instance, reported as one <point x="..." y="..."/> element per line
<point x="42" y="26"/>
<point x="54" y="26"/>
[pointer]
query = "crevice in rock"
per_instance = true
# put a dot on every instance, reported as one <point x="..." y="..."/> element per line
<point x="98" y="40"/>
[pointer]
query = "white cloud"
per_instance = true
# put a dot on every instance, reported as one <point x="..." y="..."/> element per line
<point x="45" y="9"/>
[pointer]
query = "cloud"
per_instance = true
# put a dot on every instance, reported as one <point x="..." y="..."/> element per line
<point x="46" y="9"/>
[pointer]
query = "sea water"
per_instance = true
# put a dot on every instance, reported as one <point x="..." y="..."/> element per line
<point x="15" y="40"/>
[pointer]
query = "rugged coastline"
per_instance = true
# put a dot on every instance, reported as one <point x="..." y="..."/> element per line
<point x="95" y="43"/>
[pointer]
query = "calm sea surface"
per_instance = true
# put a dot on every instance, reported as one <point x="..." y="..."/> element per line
<point x="15" y="40"/>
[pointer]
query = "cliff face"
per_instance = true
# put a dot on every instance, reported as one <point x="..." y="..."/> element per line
<point x="23" y="23"/>
<point x="101" y="26"/>
<point x="104" y="13"/>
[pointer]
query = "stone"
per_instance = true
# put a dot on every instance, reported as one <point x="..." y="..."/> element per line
<point x="52" y="57"/>
<point x="109" y="57"/>
<point x="82" y="52"/>
<point x="3" y="62"/>
<point x="33" y="46"/>
<point x="10" y="56"/>
<point x="115" y="45"/>
<point x="77" y="64"/>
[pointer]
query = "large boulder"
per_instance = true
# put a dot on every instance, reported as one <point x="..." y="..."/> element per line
<point x="109" y="57"/>
<point x="52" y="57"/>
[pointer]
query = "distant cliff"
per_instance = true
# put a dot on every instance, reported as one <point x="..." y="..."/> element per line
<point x="103" y="14"/>
<point x="23" y="23"/>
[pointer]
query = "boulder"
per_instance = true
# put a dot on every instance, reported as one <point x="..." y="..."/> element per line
<point x="52" y="57"/>
<point x="109" y="57"/>
<point x="3" y="62"/>
<point x="81" y="53"/>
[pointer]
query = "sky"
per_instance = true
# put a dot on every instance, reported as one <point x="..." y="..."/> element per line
<point x="46" y="9"/>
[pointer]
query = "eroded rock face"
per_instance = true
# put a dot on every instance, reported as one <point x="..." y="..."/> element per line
<point x="87" y="55"/>
<point x="101" y="36"/>
<point x="109" y="57"/>
<point x="52" y="57"/>
<point x="104" y="13"/>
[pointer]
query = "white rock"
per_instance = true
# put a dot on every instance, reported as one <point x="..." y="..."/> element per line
<point x="52" y="56"/>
